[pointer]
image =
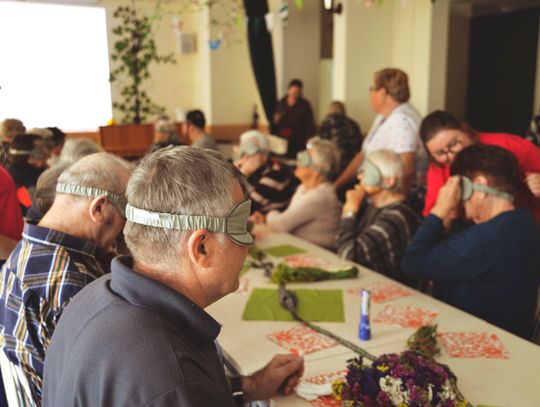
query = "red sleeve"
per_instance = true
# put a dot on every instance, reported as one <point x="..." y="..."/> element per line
<point x="435" y="178"/>
<point x="527" y="154"/>
<point x="11" y="221"/>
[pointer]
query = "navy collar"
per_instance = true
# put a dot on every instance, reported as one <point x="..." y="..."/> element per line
<point x="145" y="292"/>
<point x="51" y="237"/>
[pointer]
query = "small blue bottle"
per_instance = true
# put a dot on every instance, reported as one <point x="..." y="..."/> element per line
<point x="364" y="330"/>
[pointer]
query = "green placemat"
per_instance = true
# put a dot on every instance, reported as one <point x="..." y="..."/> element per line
<point x="284" y="250"/>
<point x="313" y="305"/>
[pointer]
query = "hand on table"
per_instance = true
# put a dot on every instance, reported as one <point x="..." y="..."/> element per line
<point x="533" y="182"/>
<point x="282" y="373"/>
<point x="448" y="201"/>
<point x="354" y="198"/>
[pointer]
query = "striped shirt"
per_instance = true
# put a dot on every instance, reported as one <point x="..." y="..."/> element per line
<point x="270" y="188"/>
<point x="379" y="238"/>
<point x="44" y="271"/>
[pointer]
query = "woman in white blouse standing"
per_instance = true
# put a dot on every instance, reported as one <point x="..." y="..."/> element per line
<point x="314" y="211"/>
<point x="395" y="127"/>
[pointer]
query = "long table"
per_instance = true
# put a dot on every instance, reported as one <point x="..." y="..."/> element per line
<point x="496" y="382"/>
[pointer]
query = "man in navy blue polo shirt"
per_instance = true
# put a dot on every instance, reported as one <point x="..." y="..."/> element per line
<point x="141" y="337"/>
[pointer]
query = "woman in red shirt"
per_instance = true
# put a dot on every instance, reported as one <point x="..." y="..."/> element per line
<point x="444" y="136"/>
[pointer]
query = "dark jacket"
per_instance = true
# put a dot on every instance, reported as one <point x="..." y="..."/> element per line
<point x="127" y="340"/>
<point x="490" y="270"/>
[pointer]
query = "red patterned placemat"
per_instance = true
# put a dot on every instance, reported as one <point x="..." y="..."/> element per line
<point x="405" y="316"/>
<point x="301" y="340"/>
<point x="306" y="260"/>
<point x="472" y="345"/>
<point x="326" y="401"/>
<point x="382" y="291"/>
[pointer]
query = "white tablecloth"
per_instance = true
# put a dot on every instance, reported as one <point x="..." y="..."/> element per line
<point x="497" y="382"/>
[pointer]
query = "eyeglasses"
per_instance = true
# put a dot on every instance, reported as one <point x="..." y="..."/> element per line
<point x="454" y="146"/>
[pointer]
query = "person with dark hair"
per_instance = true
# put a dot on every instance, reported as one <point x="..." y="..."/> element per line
<point x="54" y="144"/>
<point x="395" y="128"/>
<point x="293" y="119"/>
<point x="194" y="130"/>
<point x="444" y="136"/>
<point x="25" y="149"/>
<point x="343" y="131"/>
<point x="489" y="269"/>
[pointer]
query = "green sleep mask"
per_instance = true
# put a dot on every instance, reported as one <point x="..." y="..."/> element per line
<point x="304" y="160"/>
<point x="250" y="148"/>
<point x="234" y="225"/>
<point x="372" y="175"/>
<point x="468" y="187"/>
<point x="117" y="200"/>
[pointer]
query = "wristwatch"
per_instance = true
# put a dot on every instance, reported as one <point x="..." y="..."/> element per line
<point x="348" y="214"/>
<point x="237" y="390"/>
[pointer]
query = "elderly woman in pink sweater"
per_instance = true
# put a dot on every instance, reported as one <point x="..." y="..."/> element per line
<point x="314" y="211"/>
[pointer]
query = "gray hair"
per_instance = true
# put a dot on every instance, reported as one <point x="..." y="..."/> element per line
<point x="389" y="164"/>
<point x="177" y="180"/>
<point x="325" y="155"/>
<point x="46" y="186"/>
<point x="75" y="149"/>
<point x="100" y="170"/>
<point x="165" y="126"/>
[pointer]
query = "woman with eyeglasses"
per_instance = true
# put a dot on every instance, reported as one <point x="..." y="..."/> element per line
<point x="444" y="136"/>
<point x="313" y="213"/>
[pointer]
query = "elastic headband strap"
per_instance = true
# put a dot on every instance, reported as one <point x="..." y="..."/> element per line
<point x="118" y="200"/>
<point x="13" y="151"/>
<point x="174" y="221"/>
<point x="468" y="187"/>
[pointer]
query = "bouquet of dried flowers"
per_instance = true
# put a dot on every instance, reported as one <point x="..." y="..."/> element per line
<point x="409" y="379"/>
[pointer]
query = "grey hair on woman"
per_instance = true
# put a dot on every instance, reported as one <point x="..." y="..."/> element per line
<point x="75" y="149"/>
<point x="325" y="155"/>
<point x="389" y="164"/>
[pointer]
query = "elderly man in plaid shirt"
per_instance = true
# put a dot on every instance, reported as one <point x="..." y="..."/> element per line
<point x="56" y="259"/>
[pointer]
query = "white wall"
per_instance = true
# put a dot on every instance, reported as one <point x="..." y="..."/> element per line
<point x="301" y="53"/>
<point x="171" y="86"/>
<point x="362" y="45"/>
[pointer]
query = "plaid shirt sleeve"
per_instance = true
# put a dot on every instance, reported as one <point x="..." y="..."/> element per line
<point x="37" y="282"/>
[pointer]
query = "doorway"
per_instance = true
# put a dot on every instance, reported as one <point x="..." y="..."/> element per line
<point x="502" y="71"/>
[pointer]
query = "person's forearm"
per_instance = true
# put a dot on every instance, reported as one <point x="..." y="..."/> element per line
<point x="350" y="171"/>
<point x="345" y="238"/>
<point x="416" y="259"/>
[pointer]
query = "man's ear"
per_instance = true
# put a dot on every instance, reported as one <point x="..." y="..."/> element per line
<point x="200" y="248"/>
<point x="97" y="209"/>
<point x="389" y="182"/>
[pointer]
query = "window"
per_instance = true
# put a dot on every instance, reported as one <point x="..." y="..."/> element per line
<point x="54" y="68"/>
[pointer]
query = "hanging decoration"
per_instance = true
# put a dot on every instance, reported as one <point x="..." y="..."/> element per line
<point x="284" y="12"/>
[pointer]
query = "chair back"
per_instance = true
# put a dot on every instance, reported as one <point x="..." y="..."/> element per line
<point x="16" y="385"/>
